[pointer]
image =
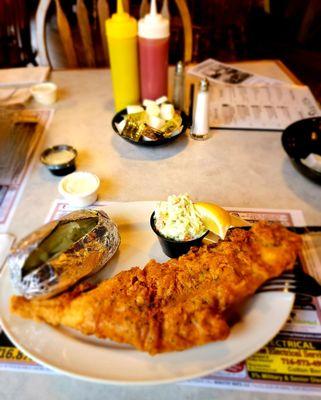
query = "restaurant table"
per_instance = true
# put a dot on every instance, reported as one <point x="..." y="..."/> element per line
<point x="231" y="168"/>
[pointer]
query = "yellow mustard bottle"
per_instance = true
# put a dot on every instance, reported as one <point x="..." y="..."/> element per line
<point x="121" y="31"/>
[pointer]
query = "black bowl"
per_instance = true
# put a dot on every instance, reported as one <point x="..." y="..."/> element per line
<point x="59" y="169"/>
<point x="149" y="143"/>
<point x="301" y="139"/>
<point x="174" y="248"/>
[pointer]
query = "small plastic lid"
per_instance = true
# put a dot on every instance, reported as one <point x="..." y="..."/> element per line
<point x="121" y="24"/>
<point x="153" y="25"/>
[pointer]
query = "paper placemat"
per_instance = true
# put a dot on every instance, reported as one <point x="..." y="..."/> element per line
<point x="10" y="194"/>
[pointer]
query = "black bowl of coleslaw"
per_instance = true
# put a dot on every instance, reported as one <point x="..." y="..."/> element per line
<point x="175" y="248"/>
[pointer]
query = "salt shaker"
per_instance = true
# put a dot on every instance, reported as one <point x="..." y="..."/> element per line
<point x="178" y="91"/>
<point x="200" y="126"/>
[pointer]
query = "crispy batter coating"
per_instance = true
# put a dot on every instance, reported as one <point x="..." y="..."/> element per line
<point x="178" y="304"/>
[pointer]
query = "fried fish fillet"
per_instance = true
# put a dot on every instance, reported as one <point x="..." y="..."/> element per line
<point x="177" y="304"/>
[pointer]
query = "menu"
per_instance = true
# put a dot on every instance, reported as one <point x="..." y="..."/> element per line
<point x="272" y="107"/>
<point x="290" y="363"/>
<point x="242" y="100"/>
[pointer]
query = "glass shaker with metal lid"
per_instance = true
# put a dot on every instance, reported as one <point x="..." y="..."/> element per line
<point x="200" y="126"/>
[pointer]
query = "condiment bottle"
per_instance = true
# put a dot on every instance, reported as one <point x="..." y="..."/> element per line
<point x="178" y="90"/>
<point x="200" y="126"/>
<point x="121" y="31"/>
<point x="153" y="39"/>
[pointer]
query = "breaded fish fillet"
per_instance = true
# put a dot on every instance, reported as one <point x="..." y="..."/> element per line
<point x="178" y="304"/>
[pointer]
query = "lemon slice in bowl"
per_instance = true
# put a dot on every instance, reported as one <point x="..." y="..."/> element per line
<point x="216" y="219"/>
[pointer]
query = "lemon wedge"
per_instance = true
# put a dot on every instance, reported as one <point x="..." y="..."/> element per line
<point x="216" y="219"/>
<point x="237" y="221"/>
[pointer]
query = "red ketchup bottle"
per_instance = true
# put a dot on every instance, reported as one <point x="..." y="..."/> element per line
<point x="153" y="41"/>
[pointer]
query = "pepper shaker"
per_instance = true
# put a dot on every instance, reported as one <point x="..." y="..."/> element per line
<point x="200" y="126"/>
<point x="178" y="91"/>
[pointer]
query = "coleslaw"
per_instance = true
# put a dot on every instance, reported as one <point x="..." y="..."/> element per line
<point x="178" y="219"/>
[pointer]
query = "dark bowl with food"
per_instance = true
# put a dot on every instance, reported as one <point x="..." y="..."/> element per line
<point x="301" y="139"/>
<point x="149" y="143"/>
<point x="60" y="159"/>
<point x="175" y="248"/>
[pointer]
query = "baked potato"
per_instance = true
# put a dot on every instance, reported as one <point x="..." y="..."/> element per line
<point x="62" y="252"/>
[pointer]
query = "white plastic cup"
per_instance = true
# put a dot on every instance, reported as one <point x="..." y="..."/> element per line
<point x="45" y="93"/>
<point x="70" y="187"/>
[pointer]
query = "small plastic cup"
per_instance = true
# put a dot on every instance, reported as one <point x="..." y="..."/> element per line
<point x="174" y="248"/>
<point x="69" y="188"/>
<point x="45" y="93"/>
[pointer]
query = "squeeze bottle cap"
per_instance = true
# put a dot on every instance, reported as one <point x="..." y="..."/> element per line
<point x="153" y="25"/>
<point x="121" y="24"/>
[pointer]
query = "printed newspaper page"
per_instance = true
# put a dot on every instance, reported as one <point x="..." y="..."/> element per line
<point x="290" y="363"/>
<point x="218" y="72"/>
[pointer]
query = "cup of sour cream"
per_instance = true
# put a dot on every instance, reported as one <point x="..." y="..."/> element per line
<point x="80" y="188"/>
<point x="45" y="93"/>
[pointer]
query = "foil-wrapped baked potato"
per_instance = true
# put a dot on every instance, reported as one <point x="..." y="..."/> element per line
<point x="62" y="252"/>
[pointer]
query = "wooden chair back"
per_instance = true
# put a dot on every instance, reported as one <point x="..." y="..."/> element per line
<point x="186" y="20"/>
<point x="83" y="24"/>
<point x="65" y="31"/>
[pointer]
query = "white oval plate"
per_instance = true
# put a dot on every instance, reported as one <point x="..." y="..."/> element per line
<point x="89" y="358"/>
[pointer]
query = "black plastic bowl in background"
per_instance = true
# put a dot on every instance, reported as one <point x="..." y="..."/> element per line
<point x="60" y="169"/>
<point x="149" y="143"/>
<point x="173" y="248"/>
<point x="301" y="139"/>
